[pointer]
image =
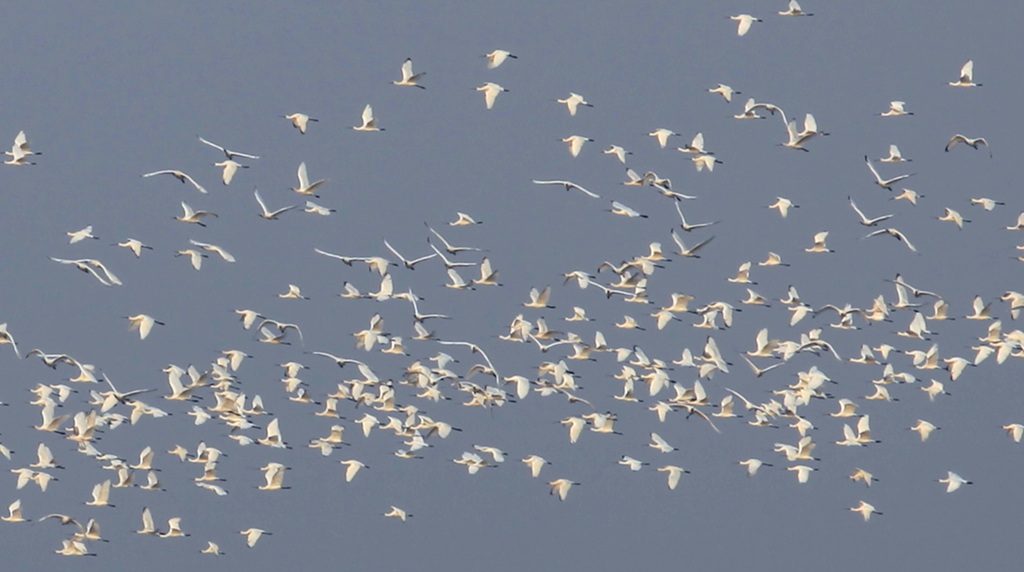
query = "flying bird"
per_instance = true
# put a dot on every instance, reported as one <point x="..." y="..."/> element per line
<point x="408" y="78"/>
<point x="966" y="76"/>
<point x="227" y="152"/>
<point x="884" y="183"/>
<point x="498" y="57"/>
<point x="569" y="185"/>
<point x="491" y="91"/>
<point x="299" y="121"/>
<point x="180" y="175"/>
<point x="369" y="122"/>
<point x="973" y="142"/>
<point x="744" y="23"/>
<point x="895" y="234"/>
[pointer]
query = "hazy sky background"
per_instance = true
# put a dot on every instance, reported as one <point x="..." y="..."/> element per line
<point x="109" y="93"/>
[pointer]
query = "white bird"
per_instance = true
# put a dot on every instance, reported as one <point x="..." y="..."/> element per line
<point x="18" y="157"/>
<point x="21" y="147"/>
<point x="674" y="473"/>
<point x="491" y="91"/>
<point x="321" y="210"/>
<point x="573" y="102"/>
<point x="561" y="487"/>
<point x="966" y="76"/>
<point x="794" y="10"/>
<point x="369" y="122"/>
<point x="535" y="463"/>
<point x="619" y="153"/>
<point x="708" y="162"/>
<point x="398" y="513"/>
<point x="136" y="246"/>
<point x="753" y="465"/>
<point x="211" y="548"/>
<point x="884" y="183"/>
<point x="894" y="156"/>
<point x="973" y="142"/>
<point x="180" y="175"/>
<point x="622" y="210"/>
<point x="267" y="213"/>
<point x="14" y="513"/>
<point x="924" y="429"/>
<point x="783" y="205"/>
<point x="662" y="135"/>
<point x="230" y="167"/>
<point x="101" y="494"/>
<point x="986" y="203"/>
<point x="142" y="323"/>
<point x="452" y="249"/>
<point x="865" y="510"/>
<point x="895" y="234"/>
<point x="352" y="468"/>
<point x="299" y="121"/>
<point x="745" y="21"/>
<point x="273" y="473"/>
<point x="305" y="187"/>
<point x="657" y="442"/>
<point x="631" y="463"/>
<point x="148" y="526"/>
<point x="193" y="216"/>
<point x="896" y="109"/>
<point x="803" y="472"/>
<point x="498" y="57"/>
<point x="195" y="257"/>
<point x="80" y="235"/>
<point x="273" y="438"/>
<point x="214" y="249"/>
<point x="690" y="252"/>
<point x="725" y="91"/>
<point x="408" y="78"/>
<point x="463" y="219"/>
<point x="410" y="264"/>
<point x="953" y="481"/>
<point x="252" y="536"/>
<point x="750" y="108"/>
<point x="864" y="220"/>
<point x="797" y="139"/>
<point x="90" y="266"/>
<point x="293" y="293"/>
<point x="907" y="195"/>
<point x="569" y="185"/>
<point x="173" y="529"/>
<point x="575" y="143"/>
<point x="228" y="152"/>
<point x="954" y="217"/>
<point x="696" y="146"/>
<point x="1015" y="431"/>
<point x="819" y="243"/>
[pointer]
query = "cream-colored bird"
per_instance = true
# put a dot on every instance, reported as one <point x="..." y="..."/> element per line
<point x="193" y="216"/>
<point x="305" y="187"/>
<point x="143" y="324"/>
<point x="966" y="76"/>
<point x="498" y="57"/>
<point x="744" y="21"/>
<point x="300" y="121"/>
<point x="573" y="102"/>
<point x="409" y="79"/>
<point x="369" y="121"/>
<point x="491" y="91"/>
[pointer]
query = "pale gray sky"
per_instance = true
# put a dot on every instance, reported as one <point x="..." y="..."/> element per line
<point x="109" y="93"/>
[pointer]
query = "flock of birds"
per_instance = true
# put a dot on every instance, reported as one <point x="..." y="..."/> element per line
<point x="431" y="368"/>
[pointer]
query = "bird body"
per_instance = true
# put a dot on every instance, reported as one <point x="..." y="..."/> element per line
<point x="408" y="78"/>
<point x="490" y="91"/>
